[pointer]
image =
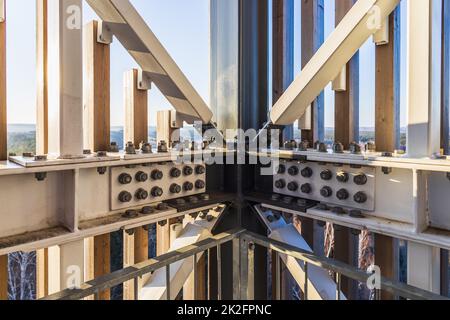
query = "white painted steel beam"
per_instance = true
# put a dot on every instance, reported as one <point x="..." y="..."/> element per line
<point x="424" y="267"/>
<point x="65" y="78"/>
<point x="353" y="31"/>
<point x="154" y="287"/>
<point x="142" y="44"/>
<point x="2" y="10"/>
<point x="66" y="266"/>
<point x="424" y="77"/>
<point x="320" y="284"/>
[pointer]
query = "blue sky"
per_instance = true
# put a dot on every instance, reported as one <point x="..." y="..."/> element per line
<point x="183" y="28"/>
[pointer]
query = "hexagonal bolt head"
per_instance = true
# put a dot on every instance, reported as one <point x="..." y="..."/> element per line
<point x="113" y="147"/>
<point x="130" y="148"/>
<point x="40" y="176"/>
<point x="101" y="170"/>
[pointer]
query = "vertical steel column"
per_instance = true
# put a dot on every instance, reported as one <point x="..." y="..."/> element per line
<point x="347" y="102"/>
<point x="65" y="78"/>
<point x="3" y="134"/>
<point x="445" y="112"/>
<point x="282" y="52"/>
<point x="423" y="77"/>
<point x="387" y="130"/>
<point x="224" y="29"/>
<point x="253" y="62"/>
<point x="236" y="269"/>
<point x="313" y="36"/>
<point x="253" y="108"/>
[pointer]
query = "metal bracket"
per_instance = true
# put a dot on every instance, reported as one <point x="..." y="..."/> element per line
<point x="104" y="33"/>
<point x="144" y="80"/>
<point x="340" y="83"/>
<point x="381" y="37"/>
<point x="2" y="11"/>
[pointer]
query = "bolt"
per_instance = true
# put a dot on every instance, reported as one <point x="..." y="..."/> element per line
<point x="114" y="148"/>
<point x="209" y="218"/>
<point x="360" y="179"/>
<point x="200" y="170"/>
<point x="386" y="170"/>
<point x="251" y="246"/>
<point x="130" y="232"/>
<point x="130" y="214"/>
<point x="125" y="178"/>
<point x="146" y="148"/>
<point x="102" y="154"/>
<point x="200" y="184"/>
<point x="40" y="158"/>
<point x="162" y="206"/>
<point x="162" y="223"/>
<point x="175" y="188"/>
<point x="141" y="176"/>
<point x="101" y="170"/>
<point x="130" y="148"/>
<point x="307" y="172"/>
<point x="156" y="192"/>
<point x="141" y="194"/>
<point x="147" y="210"/>
<point x="175" y="173"/>
<point x="40" y="176"/>
<point x="125" y="196"/>
<point x="205" y="197"/>
<point x="356" y="214"/>
<point x="187" y="171"/>
<point x="157" y="175"/>
<point x="193" y="199"/>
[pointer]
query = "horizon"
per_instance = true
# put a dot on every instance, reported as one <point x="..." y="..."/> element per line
<point x="191" y="52"/>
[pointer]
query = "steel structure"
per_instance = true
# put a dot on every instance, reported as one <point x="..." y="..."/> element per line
<point x="217" y="210"/>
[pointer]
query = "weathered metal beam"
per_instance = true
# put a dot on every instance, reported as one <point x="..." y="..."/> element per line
<point x="102" y="261"/>
<point x="387" y="88"/>
<point x="283" y="52"/>
<point x="387" y="130"/>
<point x="96" y="90"/>
<point x="4" y="277"/>
<point x="136" y="109"/>
<point x="312" y="123"/>
<point x="346" y="102"/>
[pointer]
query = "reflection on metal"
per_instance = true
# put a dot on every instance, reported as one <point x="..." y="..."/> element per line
<point x="244" y="243"/>
<point x="224" y="57"/>
<point x="135" y="35"/>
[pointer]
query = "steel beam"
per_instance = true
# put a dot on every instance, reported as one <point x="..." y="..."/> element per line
<point x="353" y="31"/>
<point x="424" y="77"/>
<point x="283" y="52"/>
<point x="65" y="78"/>
<point x="135" y="35"/>
<point x="3" y="100"/>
